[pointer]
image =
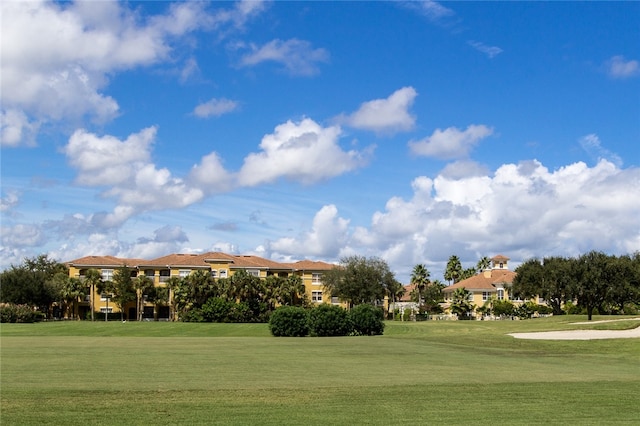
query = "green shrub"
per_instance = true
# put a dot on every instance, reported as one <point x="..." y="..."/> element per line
<point x="329" y="320"/>
<point x="10" y="313"/>
<point x="217" y="309"/>
<point x="406" y="316"/>
<point x="503" y="307"/>
<point x="367" y="320"/>
<point x="289" y="321"/>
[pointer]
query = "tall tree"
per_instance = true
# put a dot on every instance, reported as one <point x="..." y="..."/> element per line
<point x="420" y="279"/>
<point x="359" y="280"/>
<point x="143" y="286"/>
<point x="593" y="273"/>
<point x="123" y="291"/>
<point x="93" y="278"/>
<point x="29" y="283"/>
<point x="70" y="290"/>
<point x="552" y="279"/>
<point x="453" y="270"/>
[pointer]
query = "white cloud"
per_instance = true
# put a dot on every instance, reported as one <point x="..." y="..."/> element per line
<point x="451" y="142"/>
<point x="432" y="10"/>
<point x="137" y="184"/>
<point x="619" y="67"/>
<point x="297" y="56"/>
<point x="7" y="202"/>
<point x="327" y="237"/>
<point x="303" y="151"/>
<point x="215" y="108"/>
<point x="21" y="235"/>
<point x="16" y="129"/>
<point x="523" y="210"/>
<point x="490" y="51"/>
<point x="385" y="115"/>
<point x="210" y="175"/>
<point x="591" y="144"/>
<point x="57" y="58"/>
<point x="106" y="160"/>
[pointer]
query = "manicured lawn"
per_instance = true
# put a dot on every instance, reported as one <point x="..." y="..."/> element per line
<point x="79" y="373"/>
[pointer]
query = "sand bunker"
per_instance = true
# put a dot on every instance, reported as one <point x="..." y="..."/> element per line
<point x="582" y="334"/>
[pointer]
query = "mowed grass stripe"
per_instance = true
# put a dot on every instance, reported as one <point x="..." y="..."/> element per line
<point x="448" y="372"/>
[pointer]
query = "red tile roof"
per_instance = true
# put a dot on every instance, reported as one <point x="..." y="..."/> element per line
<point x="481" y="282"/>
<point x="109" y="261"/>
<point x="202" y="260"/>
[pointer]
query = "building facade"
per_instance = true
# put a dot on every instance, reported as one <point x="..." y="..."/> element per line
<point x="215" y="264"/>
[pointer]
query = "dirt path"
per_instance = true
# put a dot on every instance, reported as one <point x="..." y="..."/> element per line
<point x="583" y="334"/>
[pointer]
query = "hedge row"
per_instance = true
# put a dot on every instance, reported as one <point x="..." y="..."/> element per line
<point x="326" y="320"/>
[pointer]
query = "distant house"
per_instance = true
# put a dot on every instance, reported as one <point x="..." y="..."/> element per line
<point x="493" y="283"/>
<point x="178" y="265"/>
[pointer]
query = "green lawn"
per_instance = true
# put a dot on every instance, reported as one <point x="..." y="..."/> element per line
<point x="464" y="372"/>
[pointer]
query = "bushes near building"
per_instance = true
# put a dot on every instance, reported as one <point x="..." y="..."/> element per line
<point x="367" y="320"/>
<point x="289" y="321"/>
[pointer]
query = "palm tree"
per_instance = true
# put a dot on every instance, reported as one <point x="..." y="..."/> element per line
<point x="454" y="269"/>
<point x="142" y="285"/>
<point x="93" y="278"/>
<point x="70" y="289"/>
<point x="420" y="279"/>
<point x="483" y="263"/>
<point x="460" y="304"/>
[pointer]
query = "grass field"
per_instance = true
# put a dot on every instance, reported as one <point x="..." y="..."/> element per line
<point x="447" y="372"/>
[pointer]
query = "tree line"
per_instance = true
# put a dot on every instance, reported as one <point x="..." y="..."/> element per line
<point x="595" y="281"/>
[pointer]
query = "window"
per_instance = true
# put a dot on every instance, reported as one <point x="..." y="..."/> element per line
<point x="254" y="272"/>
<point x="470" y="297"/>
<point x="316" y="278"/>
<point x="105" y="296"/>
<point x="106" y="310"/>
<point x="501" y="265"/>
<point x="183" y="273"/>
<point x="165" y="274"/>
<point x="107" y="274"/>
<point x="335" y="300"/>
<point x="223" y="273"/>
<point x="316" y="296"/>
<point x="500" y="294"/>
<point x="149" y="273"/>
<point x="213" y="273"/>
<point x="486" y="295"/>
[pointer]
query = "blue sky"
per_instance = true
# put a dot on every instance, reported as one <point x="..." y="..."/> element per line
<point x="405" y="130"/>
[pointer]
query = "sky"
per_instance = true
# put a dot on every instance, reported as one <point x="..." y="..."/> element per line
<point x="409" y="131"/>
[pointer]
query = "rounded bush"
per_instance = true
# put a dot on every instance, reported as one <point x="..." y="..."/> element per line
<point x="329" y="320"/>
<point x="289" y="321"/>
<point x="367" y="320"/>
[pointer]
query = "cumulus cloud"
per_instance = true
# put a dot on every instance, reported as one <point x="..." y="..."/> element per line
<point x="303" y="151"/>
<point x="210" y="175"/>
<point x="523" y="210"/>
<point x="327" y="236"/>
<point x="16" y="129"/>
<point x="592" y="145"/>
<point x="490" y="51"/>
<point x="57" y="58"/>
<point x="124" y="167"/>
<point x="297" y="56"/>
<point x="385" y="115"/>
<point x="215" y="108"/>
<point x="619" y="67"/>
<point x="451" y="142"/>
